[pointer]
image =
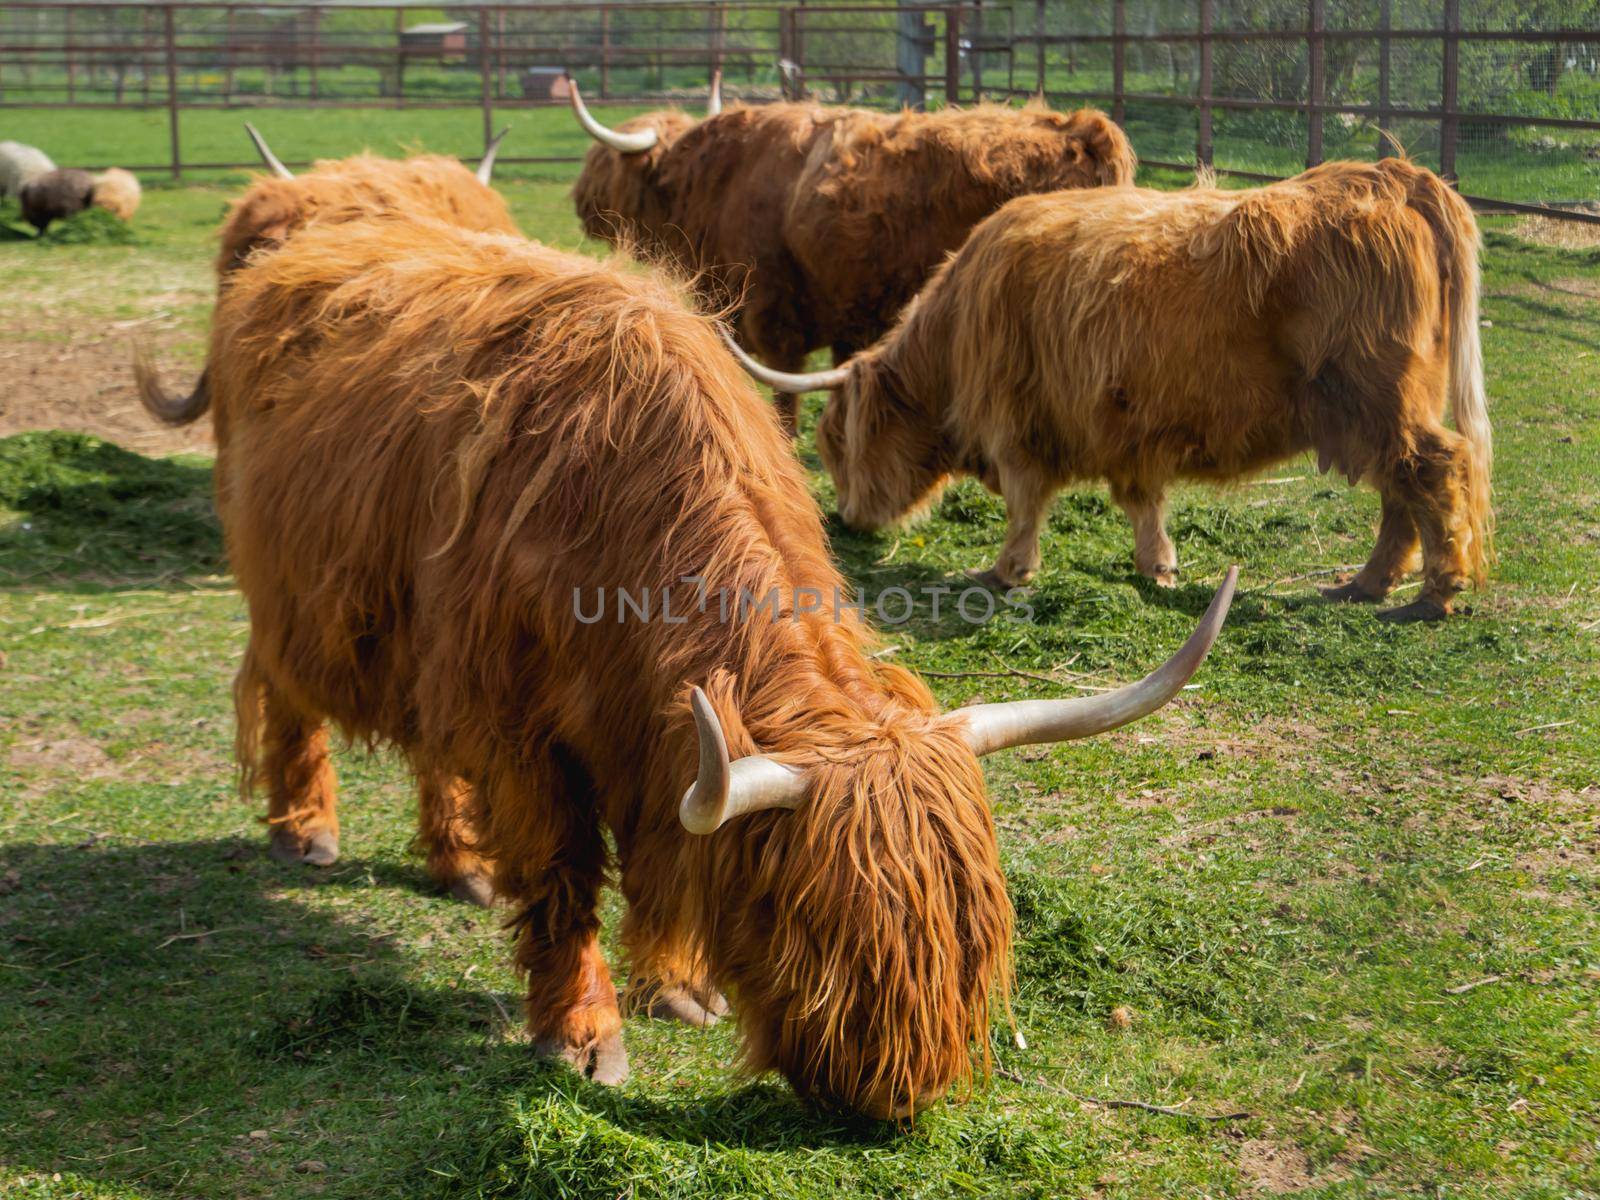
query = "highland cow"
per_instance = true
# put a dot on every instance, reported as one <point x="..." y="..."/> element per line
<point x="429" y="440"/>
<point x="19" y="164"/>
<point x="55" y="195"/>
<point x="1141" y="337"/>
<point x="815" y="225"/>
<point x="118" y="192"/>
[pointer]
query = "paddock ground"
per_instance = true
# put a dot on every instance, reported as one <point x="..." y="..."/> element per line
<point x="1347" y="885"/>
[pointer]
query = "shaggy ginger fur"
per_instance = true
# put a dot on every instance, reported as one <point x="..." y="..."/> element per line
<point x="353" y="189"/>
<point x="427" y="440"/>
<point x="118" y="192"/>
<point x="817" y="224"/>
<point x="1142" y="336"/>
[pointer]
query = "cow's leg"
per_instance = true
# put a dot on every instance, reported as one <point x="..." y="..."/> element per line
<point x="1153" y="552"/>
<point x="302" y="793"/>
<point x="1432" y="481"/>
<point x="444" y="833"/>
<point x="1027" y="492"/>
<point x="770" y="328"/>
<point x="1393" y="557"/>
<point x="668" y="979"/>
<point x="549" y="866"/>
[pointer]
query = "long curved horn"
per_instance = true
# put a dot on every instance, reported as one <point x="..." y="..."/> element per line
<point x="267" y="156"/>
<point x="787" y="381"/>
<point x="724" y="789"/>
<point x="714" y="101"/>
<point x="486" y="166"/>
<point x="992" y="727"/>
<point x="623" y="143"/>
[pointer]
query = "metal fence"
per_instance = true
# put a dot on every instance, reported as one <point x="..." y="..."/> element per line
<point x="1503" y="95"/>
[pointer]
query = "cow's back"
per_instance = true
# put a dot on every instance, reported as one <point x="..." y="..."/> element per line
<point x="884" y="200"/>
<point x="429" y="438"/>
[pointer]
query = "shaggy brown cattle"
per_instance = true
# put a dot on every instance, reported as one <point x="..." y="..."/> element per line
<point x="1140" y="337"/>
<point x="353" y="189"/>
<point x="817" y="224"/>
<point x="433" y="445"/>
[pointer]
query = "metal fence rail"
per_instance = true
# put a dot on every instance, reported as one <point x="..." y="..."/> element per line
<point x="1258" y="88"/>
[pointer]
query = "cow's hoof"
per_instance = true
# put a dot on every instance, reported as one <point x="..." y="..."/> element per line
<point x="320" y="849"/>
<point x="678" y="1003"/>
<point x="1417" y="610"/>
<point x="1166" y="577"/>
<point x="1349" y="593"/>
<point x="604" y="1061"/>
<point x="473" y="888"/>
<point x="994" y="581"/>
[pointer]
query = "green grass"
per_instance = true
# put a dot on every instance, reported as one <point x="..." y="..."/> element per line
<point x="1281" y="876"/>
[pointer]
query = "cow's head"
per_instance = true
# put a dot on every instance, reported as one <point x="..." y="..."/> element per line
<point x="857" y="912"/>
<point x="887" y="456"/>
<point x="616" y="193"/>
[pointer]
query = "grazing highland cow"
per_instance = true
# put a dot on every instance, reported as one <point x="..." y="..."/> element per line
<point x="820" y="223"/>
<point x="118" y="192"/>
<point x="1140" y="337"/>
<point x="432" y="446"/>
<point x="19" y="164"/>
<point x="55" y="195"/>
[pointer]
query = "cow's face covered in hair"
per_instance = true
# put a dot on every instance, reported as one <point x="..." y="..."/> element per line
<point x="886" y="459"/>
<point x="864" y="934"/>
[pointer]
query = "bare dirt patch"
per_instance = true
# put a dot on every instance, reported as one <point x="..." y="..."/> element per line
<point x="1274" y="1167"/>
<point x="84" y="384"/>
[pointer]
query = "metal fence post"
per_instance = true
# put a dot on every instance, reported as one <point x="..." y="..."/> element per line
<point x="1203" y="139"/>
<point x="1316" y="81"/>
<point x="485" y="78"/>
<point x="172" y="91"/>
<point x="605" y="53"/>
<point x="1448" y="125"/>
<point x="952" y="55"/>
<point x="1119" y="56"/>
<point x="1038" y="41"/>
<point x="72" y="66"/>
<point x="1386" y="143"/>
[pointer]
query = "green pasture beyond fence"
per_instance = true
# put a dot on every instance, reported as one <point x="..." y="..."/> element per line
<point x="1504" y="95"/>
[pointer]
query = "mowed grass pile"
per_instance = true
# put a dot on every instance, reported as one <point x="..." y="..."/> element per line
<point x="1272" y="898"/>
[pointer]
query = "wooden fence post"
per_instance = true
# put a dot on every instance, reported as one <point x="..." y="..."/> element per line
<point x="1119" y="57"/>
<point x="1386" y="144"/>
<point x="172" y="91"/>
<point x="1448" y="125"/>
<point x="605" y="53"/>
<point x="485" y="78"/>
<point x="1203" y="138"/>
<point x="1316" y="80"/>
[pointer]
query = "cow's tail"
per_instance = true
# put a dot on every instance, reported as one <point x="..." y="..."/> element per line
<point x="1456" y="234"/>
<point x="169" y="410"/>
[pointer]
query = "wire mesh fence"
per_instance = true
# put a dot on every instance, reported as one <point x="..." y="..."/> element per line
<point x="1504" y="95"/>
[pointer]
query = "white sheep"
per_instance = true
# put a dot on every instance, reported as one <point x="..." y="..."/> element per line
<point x="19" y="164"/>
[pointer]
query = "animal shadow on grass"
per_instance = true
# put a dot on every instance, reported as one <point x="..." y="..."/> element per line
<point x="171" y="996"/>
<point x="93" y="513"/>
